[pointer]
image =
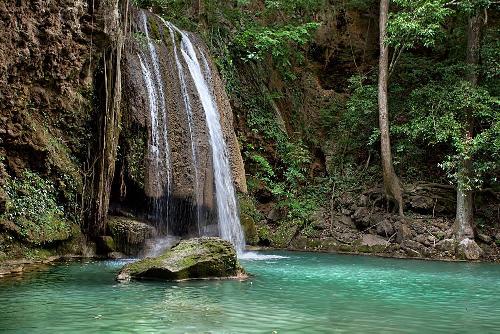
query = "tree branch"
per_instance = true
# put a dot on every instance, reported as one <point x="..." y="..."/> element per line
<point x="395" y="58"/>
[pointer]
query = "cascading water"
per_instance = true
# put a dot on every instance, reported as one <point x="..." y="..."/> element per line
<point x="189" y="113"/>
<point x="227" y="209"/>
<point x="159" y="121"/>
<point x="181" y="91"/>
<point x="154" y="148"/>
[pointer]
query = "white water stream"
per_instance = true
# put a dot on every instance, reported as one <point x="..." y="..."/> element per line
<point x="160" y="149"/>
<point x="227" y="208"/>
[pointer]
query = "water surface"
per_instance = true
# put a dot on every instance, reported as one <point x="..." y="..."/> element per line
<point x="300" y="293"/>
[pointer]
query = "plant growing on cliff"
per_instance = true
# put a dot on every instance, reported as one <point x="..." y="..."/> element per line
<point x="33" y="208"/>
<point x="281" y="43"/>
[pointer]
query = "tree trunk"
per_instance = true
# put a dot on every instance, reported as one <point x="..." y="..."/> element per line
<point x="201" y="13"/>
<point x="392" y="185"/>
<point x="103" y="169"/>
<point x="465" y="195"/>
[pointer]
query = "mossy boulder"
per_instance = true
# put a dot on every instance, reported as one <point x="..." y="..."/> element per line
<point x="249" y="228"/>
<point x="199" y="258"/>
<point x="286" y="231"/>
<point x="249" y="215"/>
<point x="129" y="235"/>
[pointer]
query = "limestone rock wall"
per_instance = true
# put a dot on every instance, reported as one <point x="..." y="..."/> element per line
<point x="140" y="170"/>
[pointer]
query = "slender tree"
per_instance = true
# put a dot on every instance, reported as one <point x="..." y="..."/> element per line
<point x="465" y="194"/>
<point x="392" y="185"/>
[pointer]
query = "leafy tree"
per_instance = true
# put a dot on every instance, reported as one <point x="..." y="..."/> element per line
<point x="453" y="107"/>
<point x="392" y="185"/>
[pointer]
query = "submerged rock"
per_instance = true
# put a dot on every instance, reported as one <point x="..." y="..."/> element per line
<point x="199" y="258"/>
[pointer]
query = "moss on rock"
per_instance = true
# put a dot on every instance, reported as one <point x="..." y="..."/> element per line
<point x="198" y="258"/>
<point x="249" y="216"/>
<point x="250" y="230"/>
<point x="129" y="235"/>
<point x="285" y="233"/>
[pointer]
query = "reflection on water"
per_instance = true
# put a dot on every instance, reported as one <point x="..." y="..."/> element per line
<point x="288" y="293"/>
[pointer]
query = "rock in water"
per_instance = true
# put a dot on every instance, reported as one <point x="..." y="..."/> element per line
<point x="199" y="258"/>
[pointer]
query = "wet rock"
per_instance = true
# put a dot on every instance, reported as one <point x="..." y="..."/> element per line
<point x="371" y="243"/>
<point x="285" y="233"/>
<point x="200" y="258"/>
<point x="385" y="228"/>
<point x="116" y="255"/>
<point x="376" y="218"/>
<point x="421" y="239"/>
<point x="249" y="229"/>
<point x="468" y="249"/>
<point x="129" y="235"/>
<point x="422" y="203"/>
<point x="276" y="214"/>
<point x="431" y="241"/>
<point x="346" y="221"/>
<point x="363" y="200"/>
<point x="412" y="244"/>
<point x="105" y="245"/>
<point x="412" y="248"/>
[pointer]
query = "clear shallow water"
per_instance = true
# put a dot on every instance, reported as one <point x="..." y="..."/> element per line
<point x="297" y="293"/>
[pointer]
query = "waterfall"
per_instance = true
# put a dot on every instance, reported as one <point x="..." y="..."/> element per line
<point x="153" y="113"/>
<point x="181" y="91"/>
<point x="227" y="209"/>
<point x="159" y="121"/>
<point x="189" y="114"/>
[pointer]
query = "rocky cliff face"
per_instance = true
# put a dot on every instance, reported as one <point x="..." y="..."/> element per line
<point x="45" y="84"/>
<point x="48" y="53"/>
<point x="61" y="88"/>
<point x="164" y="116"/>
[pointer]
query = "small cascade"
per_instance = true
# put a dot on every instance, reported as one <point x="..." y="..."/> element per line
<point x="227" y="208"/>
<point x="159" y="146"/>
<point x="189" y="113"/>
<point x="154" y="147"/>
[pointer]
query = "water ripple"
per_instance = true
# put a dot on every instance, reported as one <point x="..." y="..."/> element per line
<point x="288" y="293"/>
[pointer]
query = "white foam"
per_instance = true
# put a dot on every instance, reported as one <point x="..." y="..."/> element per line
<point x="155" y="247"/>
<point x="252" y="256"/>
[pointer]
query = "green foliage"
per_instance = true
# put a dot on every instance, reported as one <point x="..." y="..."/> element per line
<point x="33" y="208"/>
<point x="140" y="38"/>
<point x="294" y="9"/>
<point x="303" y="204"/>
<point x="172" y="10"/>
<point x="264" y="169"/>
<point x="439" y="114"/>
<point x="361" y="114"/>
<point x="281" y="43"/>
<point x="490" y="57"/>
<point x="416" y="23"/>
<point x="420" y="22"/>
